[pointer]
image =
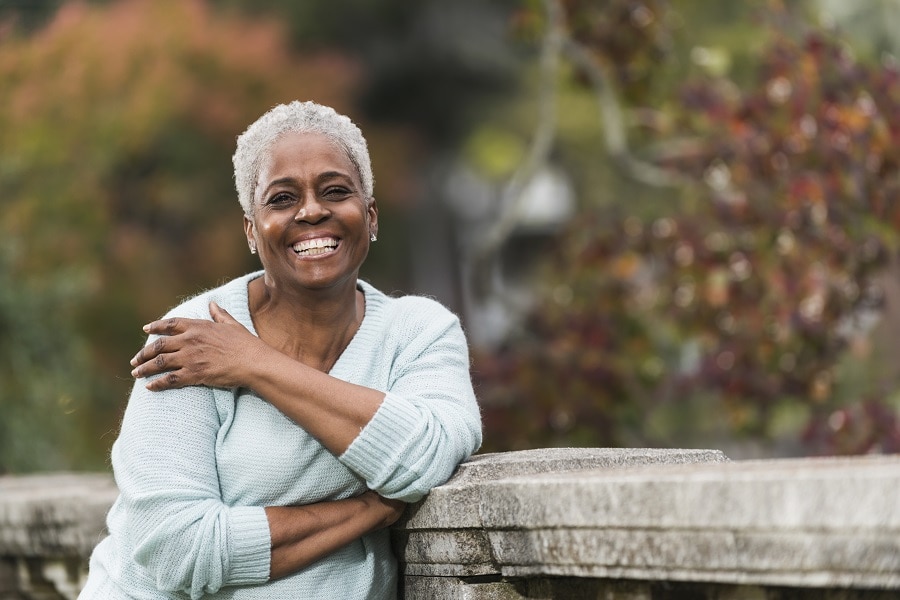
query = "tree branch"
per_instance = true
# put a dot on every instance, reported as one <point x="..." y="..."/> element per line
<point x="512" y="199"/>
<point x="614" y="122"/>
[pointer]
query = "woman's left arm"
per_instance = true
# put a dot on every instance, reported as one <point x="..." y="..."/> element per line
<point x="429" y="420"/>
<point x="403" y="442"/>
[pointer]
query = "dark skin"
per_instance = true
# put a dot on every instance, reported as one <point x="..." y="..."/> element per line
<point x="311" y="225"/>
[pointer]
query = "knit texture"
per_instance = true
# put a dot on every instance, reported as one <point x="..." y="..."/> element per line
<point x="196" y="466"/>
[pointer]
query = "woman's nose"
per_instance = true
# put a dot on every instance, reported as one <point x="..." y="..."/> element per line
<point x="313" y="210"/>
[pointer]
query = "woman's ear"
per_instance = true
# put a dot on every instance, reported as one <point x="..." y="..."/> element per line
<point x="372" y="211"/>
<point x="249" y="232"/>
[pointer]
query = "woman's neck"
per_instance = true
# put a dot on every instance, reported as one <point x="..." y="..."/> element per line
<point x="313" y="327"/>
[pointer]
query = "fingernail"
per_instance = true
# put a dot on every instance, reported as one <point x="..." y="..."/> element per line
<point x="133" y="362"/>
<point x="134" y="373"/>
<point x="146" y="327"/>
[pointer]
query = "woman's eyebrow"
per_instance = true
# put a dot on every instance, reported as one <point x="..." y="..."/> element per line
<point x="277" y="182"/>
<point x="333" y="174"/>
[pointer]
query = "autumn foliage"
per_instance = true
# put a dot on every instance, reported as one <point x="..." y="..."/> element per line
<point x="737" y="301"/>
<point x="116" y="135"/>
<point x="740" y="302"/>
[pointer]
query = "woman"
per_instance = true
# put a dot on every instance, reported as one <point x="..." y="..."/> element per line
<point x="280" y="422"/>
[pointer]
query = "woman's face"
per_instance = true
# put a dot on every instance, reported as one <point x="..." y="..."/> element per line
<point x="311" y="221"/>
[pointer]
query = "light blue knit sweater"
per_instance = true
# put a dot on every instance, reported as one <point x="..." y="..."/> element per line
<point x="195" y="466"/>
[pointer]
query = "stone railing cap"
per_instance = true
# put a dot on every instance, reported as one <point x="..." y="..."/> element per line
<point x="55" y="514"/>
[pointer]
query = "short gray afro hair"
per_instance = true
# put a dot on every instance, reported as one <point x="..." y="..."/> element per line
<point x="297" y="117"/>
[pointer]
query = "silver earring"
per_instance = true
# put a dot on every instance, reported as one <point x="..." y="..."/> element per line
<point x="252" y="248"/>
<point x="373" y="237"/>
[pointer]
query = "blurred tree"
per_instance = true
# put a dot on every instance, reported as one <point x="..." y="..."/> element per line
<point x="26" y="14"/>
<point x="428" y="63"/>
<point x="870" y="26"/>
<point x="728" y="309"/>
<point x="115" y="141"/>
<point x="683" y="291"/>
<point x="429" y="68"/>
<point x="117" y="197"/>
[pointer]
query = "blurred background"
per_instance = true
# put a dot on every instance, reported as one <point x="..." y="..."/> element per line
<point x="663" y="223"/>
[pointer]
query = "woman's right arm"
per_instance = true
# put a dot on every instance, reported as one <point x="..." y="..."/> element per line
<point x="303" y="534"/>
<point x="172" y="515"/>
<point x="170" y="512"/>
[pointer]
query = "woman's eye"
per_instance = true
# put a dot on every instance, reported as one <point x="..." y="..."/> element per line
<point x="280" y="199"/>
<point x="334" y="193"/>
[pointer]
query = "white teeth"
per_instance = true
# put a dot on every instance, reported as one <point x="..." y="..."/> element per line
<point x="315" y="246"/>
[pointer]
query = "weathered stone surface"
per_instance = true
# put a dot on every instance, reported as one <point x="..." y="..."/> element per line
<point x="48" y="526"/>
<point x="421" y="539"/>
<point x="805" y="522"/>
<point x="462" y="552"/>
<point x="454" y="504"/>
<point x="500" y="465"/>
<point x="827" y="493"/>
<point x="567" y="524"/>
<point x="572" y="588"/>
<point x="53" y="515"/>
<point x="452" y="588"/>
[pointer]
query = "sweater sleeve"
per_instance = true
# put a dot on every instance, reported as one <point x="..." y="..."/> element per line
<point x="172" y="514"/>
<point x="429" y="421"/>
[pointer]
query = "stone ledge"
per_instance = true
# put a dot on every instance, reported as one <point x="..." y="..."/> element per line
<point x="54" y="515"/>
<point x="49" y="524"/>
<point x="446" y="534"/>
<point x="571" y="588"/>
<point x="806" y="523"/>
<point x="564" y="523"/>
<point x="452" y="504"/>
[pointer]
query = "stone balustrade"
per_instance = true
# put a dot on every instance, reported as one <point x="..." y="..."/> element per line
<point x="616" y="524"/>
<point x="48" y="526"/>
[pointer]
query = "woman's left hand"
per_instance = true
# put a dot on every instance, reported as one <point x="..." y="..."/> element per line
<point x="197" y="352"/>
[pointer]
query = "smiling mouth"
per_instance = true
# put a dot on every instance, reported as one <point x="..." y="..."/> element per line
<point x="315" y="247"/>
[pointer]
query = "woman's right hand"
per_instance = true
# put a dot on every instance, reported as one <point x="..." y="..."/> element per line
<point x="198" y="352"/>
<point x="390" y="509"/>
